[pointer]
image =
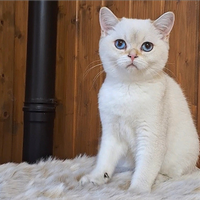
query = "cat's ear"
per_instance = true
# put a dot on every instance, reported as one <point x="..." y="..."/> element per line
<point x="165" y="23"/>
<point x="107" y="20"/>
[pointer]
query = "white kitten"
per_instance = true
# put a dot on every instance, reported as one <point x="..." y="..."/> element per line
<point x="144" y="114"/>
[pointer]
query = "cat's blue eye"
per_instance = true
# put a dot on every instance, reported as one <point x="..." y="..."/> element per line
<point x="120" y="44"/>
<point x="147" y="46"/>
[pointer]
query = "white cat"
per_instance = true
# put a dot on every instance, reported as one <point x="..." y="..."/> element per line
<point x="144" y="114"/>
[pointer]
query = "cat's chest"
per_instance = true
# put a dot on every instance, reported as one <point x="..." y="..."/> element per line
<point x="120" y="100"/>
<point x="126" y="100"/>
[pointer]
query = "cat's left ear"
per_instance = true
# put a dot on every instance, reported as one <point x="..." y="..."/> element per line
<point x="165" y="23"/>
<point x="107" y="20"/>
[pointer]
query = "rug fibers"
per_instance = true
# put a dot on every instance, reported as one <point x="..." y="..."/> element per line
<point x="58" y="179"/>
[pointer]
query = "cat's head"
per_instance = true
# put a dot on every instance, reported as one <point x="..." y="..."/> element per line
<point x="134" y="49"/>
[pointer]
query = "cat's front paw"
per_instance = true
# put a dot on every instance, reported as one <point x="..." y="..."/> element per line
<point x="84" y="180"/>
<point x="95" y="179"/>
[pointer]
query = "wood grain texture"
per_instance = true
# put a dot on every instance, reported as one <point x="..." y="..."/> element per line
<point x="65" y="80"/>
<point x="21" y="20"/>
<point x="119" y="8"/>
<point x="183" y="54"/>
<point x="2" y="80"/>
<point x="87" y="115"/>
<point x="198" y="97"/>
<point x="146" y="9"/>
<point x="6" y="83"/>
<point x="77" y="125"/>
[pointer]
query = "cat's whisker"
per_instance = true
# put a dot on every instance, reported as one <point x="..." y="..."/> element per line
<point x="93" y="62"/>
<point x="87" y="71"/>
<point x="97" y="65"/>
<point x="170" y="71"/>
<point x="96" y="77"/>
<point x="154" y="72"/>
<point x="170" y="63"/>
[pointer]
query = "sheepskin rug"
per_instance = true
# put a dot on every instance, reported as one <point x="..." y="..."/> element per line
<point x="58" y="179"/>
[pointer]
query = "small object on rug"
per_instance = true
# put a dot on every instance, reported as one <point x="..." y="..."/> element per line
<point x="106" y="175"/>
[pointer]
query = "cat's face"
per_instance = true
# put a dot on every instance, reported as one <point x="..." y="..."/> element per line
<point x="132" y="49"/>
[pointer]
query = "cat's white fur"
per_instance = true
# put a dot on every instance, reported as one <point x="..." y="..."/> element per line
<point x="144" y="114"/>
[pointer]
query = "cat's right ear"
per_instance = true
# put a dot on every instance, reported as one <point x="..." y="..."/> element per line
<point x="107" y="20"/>
<point x="165" y="23"/>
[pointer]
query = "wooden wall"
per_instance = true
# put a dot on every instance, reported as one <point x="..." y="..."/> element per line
<point x="13" y="37"/>
<point x="77" y="127"/>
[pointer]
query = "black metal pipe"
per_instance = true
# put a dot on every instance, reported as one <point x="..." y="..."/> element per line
<point x="39" y="105"/>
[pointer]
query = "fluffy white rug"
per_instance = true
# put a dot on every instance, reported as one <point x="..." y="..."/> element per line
<point x="57" y="179"/>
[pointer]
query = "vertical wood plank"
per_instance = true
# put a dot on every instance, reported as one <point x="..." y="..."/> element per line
<point x="1" y="78"/>
<point x="183" y="54"/>
<point x="198" y="65"/>
<point x="21" y="22"/>
<point x="6" y="83"/>
<point x="119" y="8"/>
<point x="88" y="123"/>
<point x="146" y="9"/>
<point x="171" y="67"/>
<point x="65" y="80"/>
<point x="77" y="124"/>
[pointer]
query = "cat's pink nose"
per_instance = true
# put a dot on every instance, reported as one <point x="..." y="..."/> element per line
<point x="132" y="56"/>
